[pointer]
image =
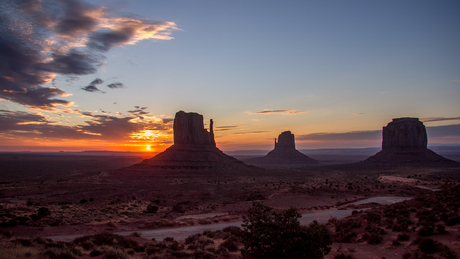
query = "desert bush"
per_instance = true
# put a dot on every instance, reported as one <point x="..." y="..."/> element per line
<point x="192" y="238"/>
<point x="426" y="230"/>
<point x="43" y="212"/>
<point x="153" y="249"/>
<point x="151" y="208"/>
<point x="113" y="253"/>
<point x="441" y="229"/>
<point x="168" y="239"/>
<point x="234" y="230"/>
<point x="231" y="244"/>
<point x="18" y="252"/>
<point x="403" y="237"/>
<point x="58" y="253"/>
<point x="373" y="217"/>
<point x="269" y="234"/>
<point x="374" y="239"/>
<point x="112" y="240"/>
<point x="23" y="242"/>
<point x="395" y="242"/>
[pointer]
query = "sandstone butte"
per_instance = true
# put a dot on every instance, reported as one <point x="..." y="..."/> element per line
<point x="284" y="153"/>
<point x="194" y="149"/>
<point x="404" y="143"/>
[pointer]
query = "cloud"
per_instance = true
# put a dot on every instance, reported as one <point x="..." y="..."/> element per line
<point x="432" y="132"/>
<point x="40" y="39"/>
<point x="250" y="132"/>
<point x="101" y="127"/>
<point x="92" y="86"/>
<point x="432" y="119"/>
<point x="353" y="135"/>
<point x="282" y="112"/>
<point x="225" y="128"/>
<point x="115" y="85"/>
<point x="443" y="131"/>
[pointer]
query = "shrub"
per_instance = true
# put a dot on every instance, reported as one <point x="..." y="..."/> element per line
<point x="114" y="254"/>
<point x="234" y="230"/>
<point x="374" y="239"/>
<point x="43" y="212"/>
<point x="108" y="240"/>
<point x="403" y="237"/>
<point x="268" y="234"/>
<point x="230" y="244"/>
<point x="151" y="208"/>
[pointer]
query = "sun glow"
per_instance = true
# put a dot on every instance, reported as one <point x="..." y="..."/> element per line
<point x="147" y="148"/>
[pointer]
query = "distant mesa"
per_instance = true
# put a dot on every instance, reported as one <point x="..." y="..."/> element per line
<point x="194" y="149"/>
<point x="284" y="153"/>
<point x="404" y="143"/>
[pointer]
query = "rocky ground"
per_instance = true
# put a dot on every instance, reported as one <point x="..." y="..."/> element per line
<point x="84" y="198"/>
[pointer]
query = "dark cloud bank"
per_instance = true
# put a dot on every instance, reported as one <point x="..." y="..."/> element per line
<point x="40" y="39"/>
<point x="102" y="127"/>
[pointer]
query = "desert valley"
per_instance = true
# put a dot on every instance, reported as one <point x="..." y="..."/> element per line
<point x="191" y="200"/>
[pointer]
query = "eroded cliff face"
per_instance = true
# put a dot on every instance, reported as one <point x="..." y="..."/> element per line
<point x="285" y="140"/>
<point x="404" y="133"/>
<point x="189" y="130"/>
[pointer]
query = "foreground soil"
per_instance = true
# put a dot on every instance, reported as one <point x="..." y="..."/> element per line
<point x="87" y="196"/>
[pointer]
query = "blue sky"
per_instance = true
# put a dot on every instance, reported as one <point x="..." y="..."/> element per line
<point x="262" y="67"/>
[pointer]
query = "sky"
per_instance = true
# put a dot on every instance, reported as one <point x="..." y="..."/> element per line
<point x="110" y="75"/>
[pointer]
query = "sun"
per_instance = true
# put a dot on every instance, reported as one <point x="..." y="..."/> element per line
<point x="148" y="147"/>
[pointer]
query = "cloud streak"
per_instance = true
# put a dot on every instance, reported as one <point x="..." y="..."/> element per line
<point x="92" y="86"/>
<point x="270" y="111"/>
<point x="42" y="39"/>
<point x="432" y="119"/>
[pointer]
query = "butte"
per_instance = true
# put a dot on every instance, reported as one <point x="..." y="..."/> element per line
<point x="284" y="153"/>
<point x="404" y="143"/>
<point x="194" y="149"/>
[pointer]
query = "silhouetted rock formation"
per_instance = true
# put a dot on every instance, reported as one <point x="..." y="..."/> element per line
<point x="404" y="133"/>
<point x="404" y="143"/>
<point x="284" y="153"/>
<point x="189" y="130"/>
<point x="194" y="149"/>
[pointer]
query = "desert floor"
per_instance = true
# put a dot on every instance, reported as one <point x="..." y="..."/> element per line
<point x="49" y="195"/>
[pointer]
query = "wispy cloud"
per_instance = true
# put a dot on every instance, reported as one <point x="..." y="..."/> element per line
<point x="92" y="86"/>
<point x="42" y="39"/>
<point x="225" y="128"/>
<point x="250" y="132"/>
<point x="353" y="135"/>
<point x="116" y="85"/>
<point x="270" y="111"/>
<point x="431" y="119"/>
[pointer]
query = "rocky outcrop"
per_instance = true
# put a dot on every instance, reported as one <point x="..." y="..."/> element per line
<point x="194" y="149"/>
<point x="404" y="143"/>
<point x="285" y="140"/>
<point x="404" y="133"/>
<point x="189" y="130"/>
<point x="284" y="153"/>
